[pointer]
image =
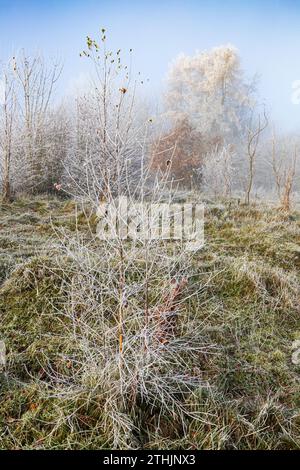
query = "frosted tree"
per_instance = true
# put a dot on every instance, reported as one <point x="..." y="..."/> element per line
<point x="56" y="147"/>
<point x="107" y="134"/>
<point x="284" y="158"/>
<point x="7" y="131"/>
<point x="257" y="124"/>
<point x="207" y="94"/>
<point x="210" y="91"/>
<point x="35" y="84"/>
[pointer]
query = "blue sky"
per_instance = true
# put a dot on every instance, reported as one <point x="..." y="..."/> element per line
<point x="266" y="32"/>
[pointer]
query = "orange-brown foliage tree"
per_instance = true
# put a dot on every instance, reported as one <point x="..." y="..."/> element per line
<point x="181" y="153"/>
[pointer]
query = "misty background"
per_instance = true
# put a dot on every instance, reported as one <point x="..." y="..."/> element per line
<point x="265" y="33"/>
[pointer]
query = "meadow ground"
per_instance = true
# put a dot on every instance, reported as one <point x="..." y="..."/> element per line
<point x="248" y="306"/>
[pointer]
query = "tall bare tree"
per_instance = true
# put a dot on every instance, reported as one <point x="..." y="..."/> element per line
<point x="35" y="88"/>
<point x="256" y="127"/>
<point x="284" y="162"/>
<point x="7" y="128"/>
<point x="107" y="129"/>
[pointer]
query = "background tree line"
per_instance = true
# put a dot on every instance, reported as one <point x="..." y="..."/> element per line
<point x="213" y="135"/>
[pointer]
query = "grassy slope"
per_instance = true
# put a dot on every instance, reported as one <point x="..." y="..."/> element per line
<point x="251" y="310"/>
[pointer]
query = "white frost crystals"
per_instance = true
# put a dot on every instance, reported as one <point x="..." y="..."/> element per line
<point x="2" y="354"/>
<point x="296" y="352"/>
